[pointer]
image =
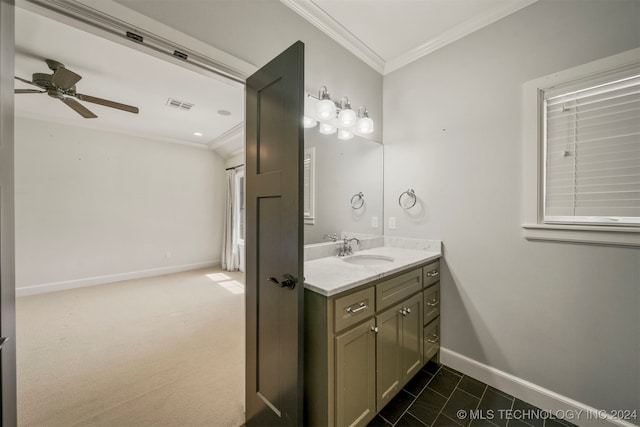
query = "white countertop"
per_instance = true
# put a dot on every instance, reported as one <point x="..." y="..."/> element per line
<point x="330" y="276"/>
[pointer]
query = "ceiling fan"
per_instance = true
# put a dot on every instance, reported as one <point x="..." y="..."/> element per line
<point x="62" y="85"/>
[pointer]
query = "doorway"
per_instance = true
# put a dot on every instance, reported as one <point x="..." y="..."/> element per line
<point x="182" y="345"/>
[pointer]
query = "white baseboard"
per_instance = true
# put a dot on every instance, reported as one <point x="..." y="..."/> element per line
<point x="100" y="280"/>
<point x="556" y="404"/>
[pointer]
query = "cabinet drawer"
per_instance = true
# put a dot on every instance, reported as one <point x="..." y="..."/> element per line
<point x="353" y="308"/>
<point x="431" y="339"/>
<point x="398" y="288"/>
<point x="431" y="273"/>
<point x="431" y="302"/>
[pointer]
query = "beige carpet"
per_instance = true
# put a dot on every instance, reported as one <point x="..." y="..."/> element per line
<point x="160" y="351"/>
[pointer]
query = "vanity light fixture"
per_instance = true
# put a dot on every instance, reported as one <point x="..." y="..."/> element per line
<point x="337" y="117"/>
<point x="326" y="108"/>
<point x="327" y="129"/>
<point x="308" y="122"/>
<point x="344" y="135"/>
<point x="346" y="117"/>
<point x="365" y="124"/>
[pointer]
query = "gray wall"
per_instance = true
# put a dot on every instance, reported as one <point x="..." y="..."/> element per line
<point x="92" y="203"/>
<point x="563" y="316"/>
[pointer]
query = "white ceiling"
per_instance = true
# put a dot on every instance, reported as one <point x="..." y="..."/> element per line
<point x="388" y="34"/>
<point x="116" y="72"/>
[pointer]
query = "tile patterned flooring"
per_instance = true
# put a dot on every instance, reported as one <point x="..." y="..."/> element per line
<point x="437" y="395"/>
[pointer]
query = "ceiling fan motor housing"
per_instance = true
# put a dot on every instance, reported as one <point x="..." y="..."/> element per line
<point x="43" y="80"/>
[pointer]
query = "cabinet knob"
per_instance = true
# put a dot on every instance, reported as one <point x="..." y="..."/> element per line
<point x="433" y="273"/>
<point x="375" y="329"/>
<point x="432" y="302"/>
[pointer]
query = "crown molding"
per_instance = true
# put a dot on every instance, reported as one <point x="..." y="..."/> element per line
<point x="229" y="136"/>
<point x="325" y="23"/>
<point x="455" y="33"/>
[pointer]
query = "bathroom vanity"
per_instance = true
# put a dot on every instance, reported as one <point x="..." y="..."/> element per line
<point x="371" y="322"/>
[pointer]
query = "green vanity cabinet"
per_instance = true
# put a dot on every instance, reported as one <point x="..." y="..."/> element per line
<point x="361" y="347"/>
<point x="399" y="347"/>
<point x="431" y="300"/>
<point x="356" y="375"/>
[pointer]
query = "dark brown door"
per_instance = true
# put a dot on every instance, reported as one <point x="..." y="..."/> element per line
<point x="7" y="247"/>
<point x="274" y="283"/>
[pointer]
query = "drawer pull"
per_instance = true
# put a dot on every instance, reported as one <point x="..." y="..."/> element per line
<point x="432" y="302"/>
<point x="352" y="310"/>
<point x="434" y="339"/>
<point x="433" y="273"/>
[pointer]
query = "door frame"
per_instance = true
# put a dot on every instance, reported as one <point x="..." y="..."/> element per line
<point x="8" y="403"/>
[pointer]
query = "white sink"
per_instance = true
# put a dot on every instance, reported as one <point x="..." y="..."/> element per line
<point x="368" y="259"/>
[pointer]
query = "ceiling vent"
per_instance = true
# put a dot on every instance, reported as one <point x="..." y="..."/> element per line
<point x="180" y="105"/>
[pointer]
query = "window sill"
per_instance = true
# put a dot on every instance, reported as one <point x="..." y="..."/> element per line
<point x="595" y="235"/>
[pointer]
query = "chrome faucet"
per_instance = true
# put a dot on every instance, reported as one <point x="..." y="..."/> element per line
<point x="345" y="248"/>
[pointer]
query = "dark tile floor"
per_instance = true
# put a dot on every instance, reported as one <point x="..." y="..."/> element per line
<point x="439" y="396"/>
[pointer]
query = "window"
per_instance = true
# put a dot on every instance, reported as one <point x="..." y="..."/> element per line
<point x="240" y="207"/>
<point x="582" y="153"/>
<point x="309" y="190"/>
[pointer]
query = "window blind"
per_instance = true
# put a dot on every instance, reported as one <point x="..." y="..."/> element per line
<point x="592" y="153"/>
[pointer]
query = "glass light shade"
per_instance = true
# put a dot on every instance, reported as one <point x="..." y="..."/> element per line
<point x="365" y="125"/>
<point x="327" y="129"/>
<point x="344" y="134"/>
<point x="308" y="122"/>
<point x="347" y="117"/>
<point x="325" y="109"/>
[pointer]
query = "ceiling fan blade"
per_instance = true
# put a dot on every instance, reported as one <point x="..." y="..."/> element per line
<point x="65" y="79"/>
<point x="107" y="103"/>
<point x="79" y="108"/>
<point x="28" y="91"/>
<point x="26" y="81"/>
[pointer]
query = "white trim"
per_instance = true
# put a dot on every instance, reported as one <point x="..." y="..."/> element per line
<point x="532" y="160"/>
<point x="110" y="278"/>
<point x="456" y="33"/>
<point x="96" y="15"/>
<point x="325" y="23"/>
<point x="328" y="25"/>
<point x="618" y="236"/>
<point x="229" y="136"/>
<point x="529" y="392"/>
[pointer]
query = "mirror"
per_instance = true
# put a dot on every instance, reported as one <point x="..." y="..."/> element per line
<point x="336" y="172"/>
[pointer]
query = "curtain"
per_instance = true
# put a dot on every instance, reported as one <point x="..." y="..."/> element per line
<point x="230" y="249"/>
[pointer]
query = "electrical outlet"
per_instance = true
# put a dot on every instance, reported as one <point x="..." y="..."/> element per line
<point x="392" y="223"/>
<point x="374" y="222"/>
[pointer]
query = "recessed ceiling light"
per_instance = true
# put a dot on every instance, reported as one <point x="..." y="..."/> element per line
<point x="197" y="133"/>
<point x="224" y="112"/>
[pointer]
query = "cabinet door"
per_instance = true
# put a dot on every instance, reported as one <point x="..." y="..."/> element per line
<point x="388" y="355"/>
<point x="412" y="336"/>
<point x="356" y="376"/>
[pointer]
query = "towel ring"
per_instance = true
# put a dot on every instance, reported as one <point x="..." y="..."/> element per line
<point x="357" y="201"/>
<point x="411" y="194"/>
